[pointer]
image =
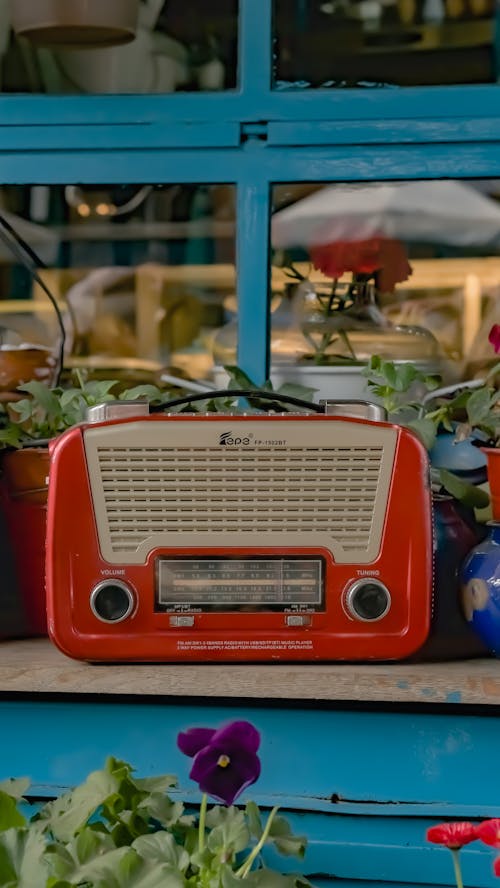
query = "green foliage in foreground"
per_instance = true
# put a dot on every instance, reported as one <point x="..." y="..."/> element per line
<point x="119" y="831"/>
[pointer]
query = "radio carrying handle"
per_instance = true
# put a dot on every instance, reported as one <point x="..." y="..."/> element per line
<point x="249" y="394"/>
<point x="359" y="409"/>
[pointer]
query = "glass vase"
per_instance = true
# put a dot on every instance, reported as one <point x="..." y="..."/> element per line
<point x="342" y="322"/>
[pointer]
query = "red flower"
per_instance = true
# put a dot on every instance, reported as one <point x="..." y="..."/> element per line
<point x="453" y="835"/>
<point x="494" y="337"/>
<point x="489" y="832"/>
<point x="496" y="866"/>
<point x="376" y="254"/>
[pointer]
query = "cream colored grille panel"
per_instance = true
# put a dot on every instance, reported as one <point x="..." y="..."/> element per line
<point x="299" y="494"/>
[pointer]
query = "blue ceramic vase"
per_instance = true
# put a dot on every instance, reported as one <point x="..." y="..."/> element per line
<point x="455" y="533"/>
<point x="480" y="589"/>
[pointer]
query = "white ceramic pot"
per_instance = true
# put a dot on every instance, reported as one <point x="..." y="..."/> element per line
<point x="75" y="22"/>
<point x="340" y="382"/>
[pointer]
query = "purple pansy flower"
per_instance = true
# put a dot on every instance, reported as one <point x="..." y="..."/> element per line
<point x="225" y="761"/>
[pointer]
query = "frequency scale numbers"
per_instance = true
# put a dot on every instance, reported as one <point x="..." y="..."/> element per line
<point x="239" y="583"/>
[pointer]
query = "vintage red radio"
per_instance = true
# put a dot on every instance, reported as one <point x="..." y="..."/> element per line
<point x="184" y="537"/>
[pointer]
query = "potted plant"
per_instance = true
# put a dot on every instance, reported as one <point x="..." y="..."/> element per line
<point x="450" y="421"/>
<point x="340" y="319"/>
<point x="119" y="829"/>
<point x="26" y="426"/>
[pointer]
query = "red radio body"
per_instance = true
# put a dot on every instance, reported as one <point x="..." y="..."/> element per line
<point x="238" y="538"/>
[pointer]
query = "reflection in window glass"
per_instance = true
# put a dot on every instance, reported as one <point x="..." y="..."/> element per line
<point x="409" y="271"/>
<point x="141" y="275"/>
<point x="363" y="43"/>
<point x="171" y="50"/>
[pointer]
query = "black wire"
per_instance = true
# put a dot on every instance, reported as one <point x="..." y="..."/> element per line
<point x="251" y="394"/>
<point x="20" y="249"/>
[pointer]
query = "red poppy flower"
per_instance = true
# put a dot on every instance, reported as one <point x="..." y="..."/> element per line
<point x="453" y="835"/>
<point x="489" y="832"/>
<point x="494" y="337"/>
<point x="496" y="866"/>
<point x="376" y="254"/>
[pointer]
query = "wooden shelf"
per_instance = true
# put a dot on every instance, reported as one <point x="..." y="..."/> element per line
<point x="37" y="667"/>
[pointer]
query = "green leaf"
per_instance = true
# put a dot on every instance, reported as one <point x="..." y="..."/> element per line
<point x="57" y="883"/>
<point x="405" y="376"/>
<point x="229" y="833"/>
<point x="432" y="382"/>
<point x="89" y="844"/>
<point x="159" y="807"/>
<point x="228" y="879"/>
<point x="22" y="861"/>
<point x="285" y="841"/>
<point x="97" y="390"/>
<point x="43" y="395"/>
<point x="156" y="784"/>
<point x="239" y="379"/>
<point x="161" y="847"/>
<point x="74" y="409"/>
<point x="478" y="406"/>
<point x="425" y="429"/>
<point x="295" y="390"/>
<point x="23" y="409"/>
<point x="254" y="819"/>
<point x="9" y="815"/>
<point x="132" y="871"/>
<point x="144" y="392"/>
<point x="93" y="869"/>
<point x="11" y="437"/>
<point x="389" y="372"/>
<point x="70" y="395"/>
<point x="76" y="860"/>
<point x="462" y="490"/>
<point x="68" y="813"/>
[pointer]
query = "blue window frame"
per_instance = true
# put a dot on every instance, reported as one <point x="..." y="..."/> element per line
<point x="253" y="137"/>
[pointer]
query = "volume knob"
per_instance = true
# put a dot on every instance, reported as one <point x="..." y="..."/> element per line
<point x="112" y="601"/>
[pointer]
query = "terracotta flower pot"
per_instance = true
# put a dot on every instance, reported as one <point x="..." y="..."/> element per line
<point x="78" y="23"/>
<point x="23" y="497"/>
<point x="20" y="365"/>
<point x="493" y="469"/>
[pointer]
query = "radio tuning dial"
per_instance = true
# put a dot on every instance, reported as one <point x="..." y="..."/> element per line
<point x="112" y="601"/>
<point x="367" y="600"/>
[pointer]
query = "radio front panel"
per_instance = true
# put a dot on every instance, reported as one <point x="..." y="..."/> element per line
<point x="189" y="538"/>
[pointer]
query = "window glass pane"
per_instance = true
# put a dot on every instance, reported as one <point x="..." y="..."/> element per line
<point x="171" y="49"/>
<point x="364" y="43"/>
<point x="406" y="270"/>
<point x="141" y="275"/>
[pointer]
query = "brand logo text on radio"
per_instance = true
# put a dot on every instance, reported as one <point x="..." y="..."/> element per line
<point x="228" y="439"/>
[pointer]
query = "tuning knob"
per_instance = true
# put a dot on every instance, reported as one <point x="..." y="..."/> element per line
<point x="367" y="599"/>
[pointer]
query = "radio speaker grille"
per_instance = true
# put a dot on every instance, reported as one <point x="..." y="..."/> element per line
<point x="325" y="491"/>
